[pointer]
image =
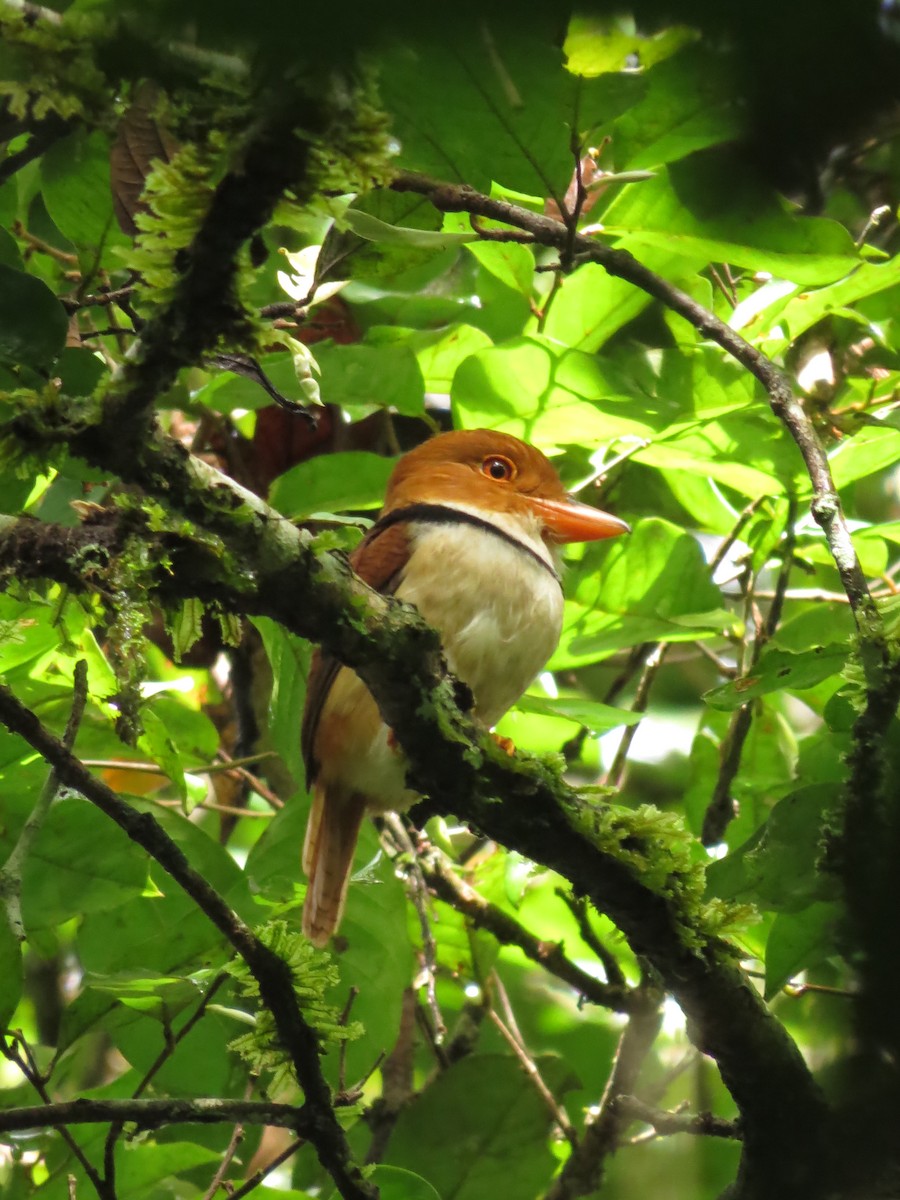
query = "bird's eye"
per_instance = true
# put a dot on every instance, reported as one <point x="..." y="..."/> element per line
<point x="498" y="467"/>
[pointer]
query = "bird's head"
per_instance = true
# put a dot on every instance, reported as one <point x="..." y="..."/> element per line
<point x="499" y="478"/>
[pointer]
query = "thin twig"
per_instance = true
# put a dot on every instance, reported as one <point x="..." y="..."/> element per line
<point x="826" y="505"/>
<point x="440" y="876"/>
<point x="237" y="1136"/>
<point x="175" y="1041"/>
<point x="583" y="1172"/>
<point x="722" y="807"/>
<point x="418" y="893"/>
<point x="651" y="669"/>
<point x="666" y="1123"/>
<point x="271" y="972"/>
<point x="229" y="766"/>
<point x="615" y="976"/>
<point x="258" y="1176"/>
<point x="39" y="1113"/>
<point x="154" y="1114"/>
<point x="342" y="1056"/>
<point x="171" y="1043"/>
<point x="737" y="529"/>
<point x="529" y="1066"/>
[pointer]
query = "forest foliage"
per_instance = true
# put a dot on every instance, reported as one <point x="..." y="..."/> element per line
<point x="666" y="961"/>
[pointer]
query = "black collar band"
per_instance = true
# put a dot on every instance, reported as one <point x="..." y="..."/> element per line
<point x="438" y="514"/>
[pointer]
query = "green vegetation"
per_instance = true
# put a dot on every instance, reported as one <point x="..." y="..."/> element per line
<point x="653" y="953"/>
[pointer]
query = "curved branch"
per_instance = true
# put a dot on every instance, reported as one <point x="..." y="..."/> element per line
<point x="462" y="771"/>
<point x="271" y="972"/>
<point x="506" y="929"/>
<point x="826" y="505"/>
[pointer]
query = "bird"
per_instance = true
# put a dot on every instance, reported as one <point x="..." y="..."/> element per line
<point x="469" y="535"/>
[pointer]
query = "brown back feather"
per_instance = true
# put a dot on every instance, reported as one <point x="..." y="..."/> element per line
<point x="379" y="560"/>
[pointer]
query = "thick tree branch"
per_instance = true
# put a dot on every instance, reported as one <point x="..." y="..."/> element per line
<point x="463" y="772"/>
<point x="263" y="565"/>
<point x="205" y="308"/>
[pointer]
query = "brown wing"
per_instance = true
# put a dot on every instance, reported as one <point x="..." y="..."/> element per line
<point x="379" y="560"/>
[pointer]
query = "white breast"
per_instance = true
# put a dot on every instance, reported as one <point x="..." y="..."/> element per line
<point x="499" y="612"/>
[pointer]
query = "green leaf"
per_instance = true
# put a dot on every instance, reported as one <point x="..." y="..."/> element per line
<point x="27" y="633"/>
<point x="799" y="940"/>
<point x="535" y="390"/>
<point x="591" y="305"/>
<point x="394" y="1183"/>
<point x="591" y="713"/>
<point x="511" y="263"/>
<point x="384" y="262"/>
<point x="792" y="311"/>
<point x="157" y="744"/>
<point x="439" y="355"/>
<point x="10" y="971"/>
<point x="511" y="87"/>
<point x="651" y="585"/>
<point x="689" y="105"/>
<point x="186" y="627"/>
<point x="226" y="391"/>
<point x="595" y="45"/>
<point x="81" y="862"/>
<point x="780" y="670"/>
<point x="332" y="483"/>
<point x="369" y="227"/>
<point x="202" y="1066"/>
<point x="76" y="187"/>
<point x="479" y="1129"/>
<point x="870" y="450"/>
<point x="289" y="658"/>
<point x="369" y="377"/>
<point x="79" y="371"/>
<point x="165" y="932"/>
<point x="776" y="868"/>
<point x="712" y="208"/>
<point x="33" y="323"/>
<point x="373" y="951"/>
<point x="9" y="251"/>
<point x="141" y="1166"/>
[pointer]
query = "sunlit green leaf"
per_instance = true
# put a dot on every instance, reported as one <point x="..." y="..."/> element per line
<point x="371" y="377"/>
<point x="332" y="483"/>
<point x="778" y="670"/>
<point x="712" y="208"/>
<point x="288" y="658"/>
<point x="596" y="716"/>
<point x="653" y="584"/>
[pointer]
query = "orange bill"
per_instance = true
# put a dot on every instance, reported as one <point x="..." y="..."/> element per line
<point x="572" y="521"/>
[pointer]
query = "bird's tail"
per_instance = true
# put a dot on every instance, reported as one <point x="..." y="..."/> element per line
<point x="331" y="836"/>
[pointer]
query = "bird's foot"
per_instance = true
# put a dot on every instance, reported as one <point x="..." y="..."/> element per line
<point x="505" y="743"/>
